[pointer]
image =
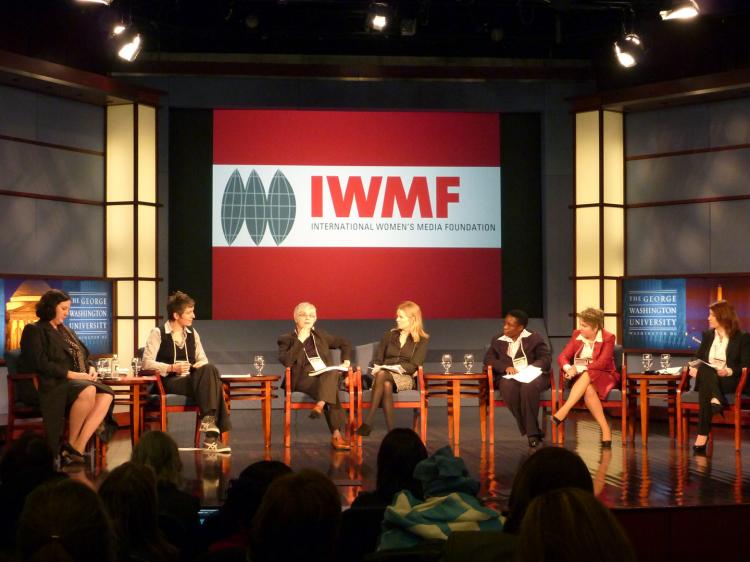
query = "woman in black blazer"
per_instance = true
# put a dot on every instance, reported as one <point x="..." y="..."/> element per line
<point x="726" y="350"/>
<point x="67" y="377"/>
<point x="305" y="350"/>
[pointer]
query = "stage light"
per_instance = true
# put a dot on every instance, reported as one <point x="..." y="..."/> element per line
<point x="628" y="50"/>
<point x="130" y="50"/>
<point x="681" y="10"/>
<point x="378" y="16"/>
<point x="103" y="2"/>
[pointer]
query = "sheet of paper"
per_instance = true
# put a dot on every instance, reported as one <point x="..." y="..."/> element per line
<point x="525" y="375"/>
<point x="670" y="371"/>
<point x="392" y="368"/>
<point x="326" y="369"/>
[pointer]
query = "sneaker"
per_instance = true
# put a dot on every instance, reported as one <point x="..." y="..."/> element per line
<point x="216" y="447"/>
<point x="208" y="425"/>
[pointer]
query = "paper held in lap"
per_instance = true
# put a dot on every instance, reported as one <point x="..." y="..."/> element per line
<point x="393" y="368"/>
<point x="697" y="362"/>
<point x="326" y="369"/>
<point x="525" y="375"/>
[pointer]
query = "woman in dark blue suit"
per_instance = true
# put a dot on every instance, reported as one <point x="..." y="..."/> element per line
<point x="726" y="349"/>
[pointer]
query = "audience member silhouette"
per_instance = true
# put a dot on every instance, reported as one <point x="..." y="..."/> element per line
<point x="129" y="496"/>
<point x="178" y="510"/>
<point x="571" y="525"/>
<point x="65" y="521"/>
<point x="298" y="519"/>
<point x="26" y="463"/>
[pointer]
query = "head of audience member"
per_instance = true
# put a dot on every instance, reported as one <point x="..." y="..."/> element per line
<point x="547" y="469"/>
<point x="409" y="319"/>
<point x="178" y="304"/>
<point x="129" y="496"/>
<point x="400" y="451"/>
<point x="158" y="450"/>
<point x="305" y="316"/>
<point x="65" y="521"/>
<point x="46" y="308"/>
<point x="298" y="519"/>
<point x="515" y="322"/>
<point x="27" y="462"/>
<point x="444" y="473"/>
<point x="590" y="321"/>
<point x="571" y="525"/>
<point x="246" y="493"/>
<point x="724" y="316"/>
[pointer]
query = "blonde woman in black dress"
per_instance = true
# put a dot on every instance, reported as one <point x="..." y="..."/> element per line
<point x="404" y="349"/>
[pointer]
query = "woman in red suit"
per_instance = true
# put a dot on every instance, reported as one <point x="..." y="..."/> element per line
<point x="588" y="360"/>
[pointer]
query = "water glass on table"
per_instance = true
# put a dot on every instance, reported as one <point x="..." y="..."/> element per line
<point x="664" y="360"/>
<point x="468" y="362"/>
<point x="259" y="362"/>
<point x="647" y="362"/>
<point x="447" y="361"/>
<point x="135" y="366"/>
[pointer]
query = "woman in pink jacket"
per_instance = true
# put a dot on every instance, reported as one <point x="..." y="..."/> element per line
<point x="588" y="361"/>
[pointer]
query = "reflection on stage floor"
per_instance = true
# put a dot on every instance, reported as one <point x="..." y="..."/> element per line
<point x="664" y="474"/>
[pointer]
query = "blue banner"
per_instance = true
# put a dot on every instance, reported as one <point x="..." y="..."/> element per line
<point x="654" y="314"/>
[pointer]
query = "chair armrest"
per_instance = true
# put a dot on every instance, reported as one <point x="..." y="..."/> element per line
<point x="288" y="385"/>
<point x="740" y="386"/>
<point x="490" y="381"/>
<point x="358" y="384"/>
<point x="22" y="376"/>
<point x="420" y="381"/>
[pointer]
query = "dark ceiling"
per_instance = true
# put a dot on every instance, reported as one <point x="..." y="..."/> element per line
<point x="76" y="35"/>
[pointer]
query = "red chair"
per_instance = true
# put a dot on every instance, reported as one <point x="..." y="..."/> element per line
<point x="294" y="400"/>
<point x="547" y="401"/>
<point x="158" y="405"/>
<point x="414" y="399"/>
<point x="687" y="402"/>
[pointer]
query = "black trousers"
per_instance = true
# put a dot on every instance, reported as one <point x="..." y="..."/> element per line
<point x="710" y="385"/>
<point x="204" y="386"/>
<point x="522" y="400"/>
<point x="325" y="388"/>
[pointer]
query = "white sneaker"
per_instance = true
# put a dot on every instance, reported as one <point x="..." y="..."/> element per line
<point x="216" y="447"/>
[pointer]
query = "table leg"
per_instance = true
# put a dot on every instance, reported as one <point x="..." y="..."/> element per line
<point x="671" y="401"/>
<point x="135" y="413"/>
<point x="266" y="408"/>
<point x="456" y="411"/>
<point x="643" y="395"/>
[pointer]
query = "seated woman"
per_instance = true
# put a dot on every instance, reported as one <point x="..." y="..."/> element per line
<point x="67" y="378"/>
<point x="727" y="350"/>
<point x="308" y="349"/>
<point x="175" y="350"/>
<point x="403" y="348"/>
<point x="588" y="360"/>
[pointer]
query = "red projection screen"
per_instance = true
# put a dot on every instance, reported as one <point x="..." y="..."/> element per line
<point x="355" y="211"/>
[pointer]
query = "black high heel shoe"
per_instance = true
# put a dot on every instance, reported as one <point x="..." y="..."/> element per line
<point x="364" y="430"/>
<point x="556" y="420"/>
<point x="700" y="449"/>
<point x="606" y="444"/>
<point x="70" y="455"/>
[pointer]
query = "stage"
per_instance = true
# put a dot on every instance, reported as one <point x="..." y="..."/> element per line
<point x="663" y="474"/>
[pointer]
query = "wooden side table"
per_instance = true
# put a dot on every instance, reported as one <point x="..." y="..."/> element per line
<point x="641" y="385"/>
<point x="453" y="387"/>
<point x="128" y="391"/>
<point x="249" y="387"/>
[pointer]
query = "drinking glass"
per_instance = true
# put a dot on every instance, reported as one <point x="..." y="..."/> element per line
<point x="259" y="362"/>
<point x="647" y="361"/>
<point x="468" y="362"/>
<point x="447" y="361"/>
<point x="104" y="368"/>
<point x="664" y="360"/>
<point x="135" y="366"/>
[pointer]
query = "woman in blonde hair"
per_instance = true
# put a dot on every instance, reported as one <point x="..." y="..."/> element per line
<point x="588" y="361"/>
<point x="400" y="353"/>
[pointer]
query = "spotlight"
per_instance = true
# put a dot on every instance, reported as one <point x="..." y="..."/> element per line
<point x="681" y="10"/>
<point x="130" y="50"/>
<point x="103" y="2"/>
<point x="378" y="16"/>
<point x="628" y="50"/>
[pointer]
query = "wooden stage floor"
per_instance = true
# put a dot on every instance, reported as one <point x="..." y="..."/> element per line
<point x="664" y="474"/>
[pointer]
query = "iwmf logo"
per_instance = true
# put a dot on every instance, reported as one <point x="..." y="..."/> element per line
<point x="248" y="204"/>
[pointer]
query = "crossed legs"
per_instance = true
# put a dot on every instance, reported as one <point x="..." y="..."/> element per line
<point x="86" y="413"/>
<point x="582" y="388"/>
<point x="382" y="394"/>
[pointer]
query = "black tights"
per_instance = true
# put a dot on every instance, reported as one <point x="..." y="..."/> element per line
<point x="382" y="392"/>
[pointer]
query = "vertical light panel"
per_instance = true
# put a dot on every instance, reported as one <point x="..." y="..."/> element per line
<point x="613" y="231"/>
<point x="587" y="157"/>
<point x="120" y="241"/>
<point x="125" y="298"/>
<point x="610" y="324"/>
<point x="125" y="348"/>
<point x="147" y="298"/>
<point x="587" y="241"/>
<point x="610" y="296"/>
<point x="587" y="294"/>
<point x="120" y="153"/>
<point x="146" y="241"/>
<point x="146" y="154"/>
<point x="613" y="158"/>
<point x="144" y="327"/>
